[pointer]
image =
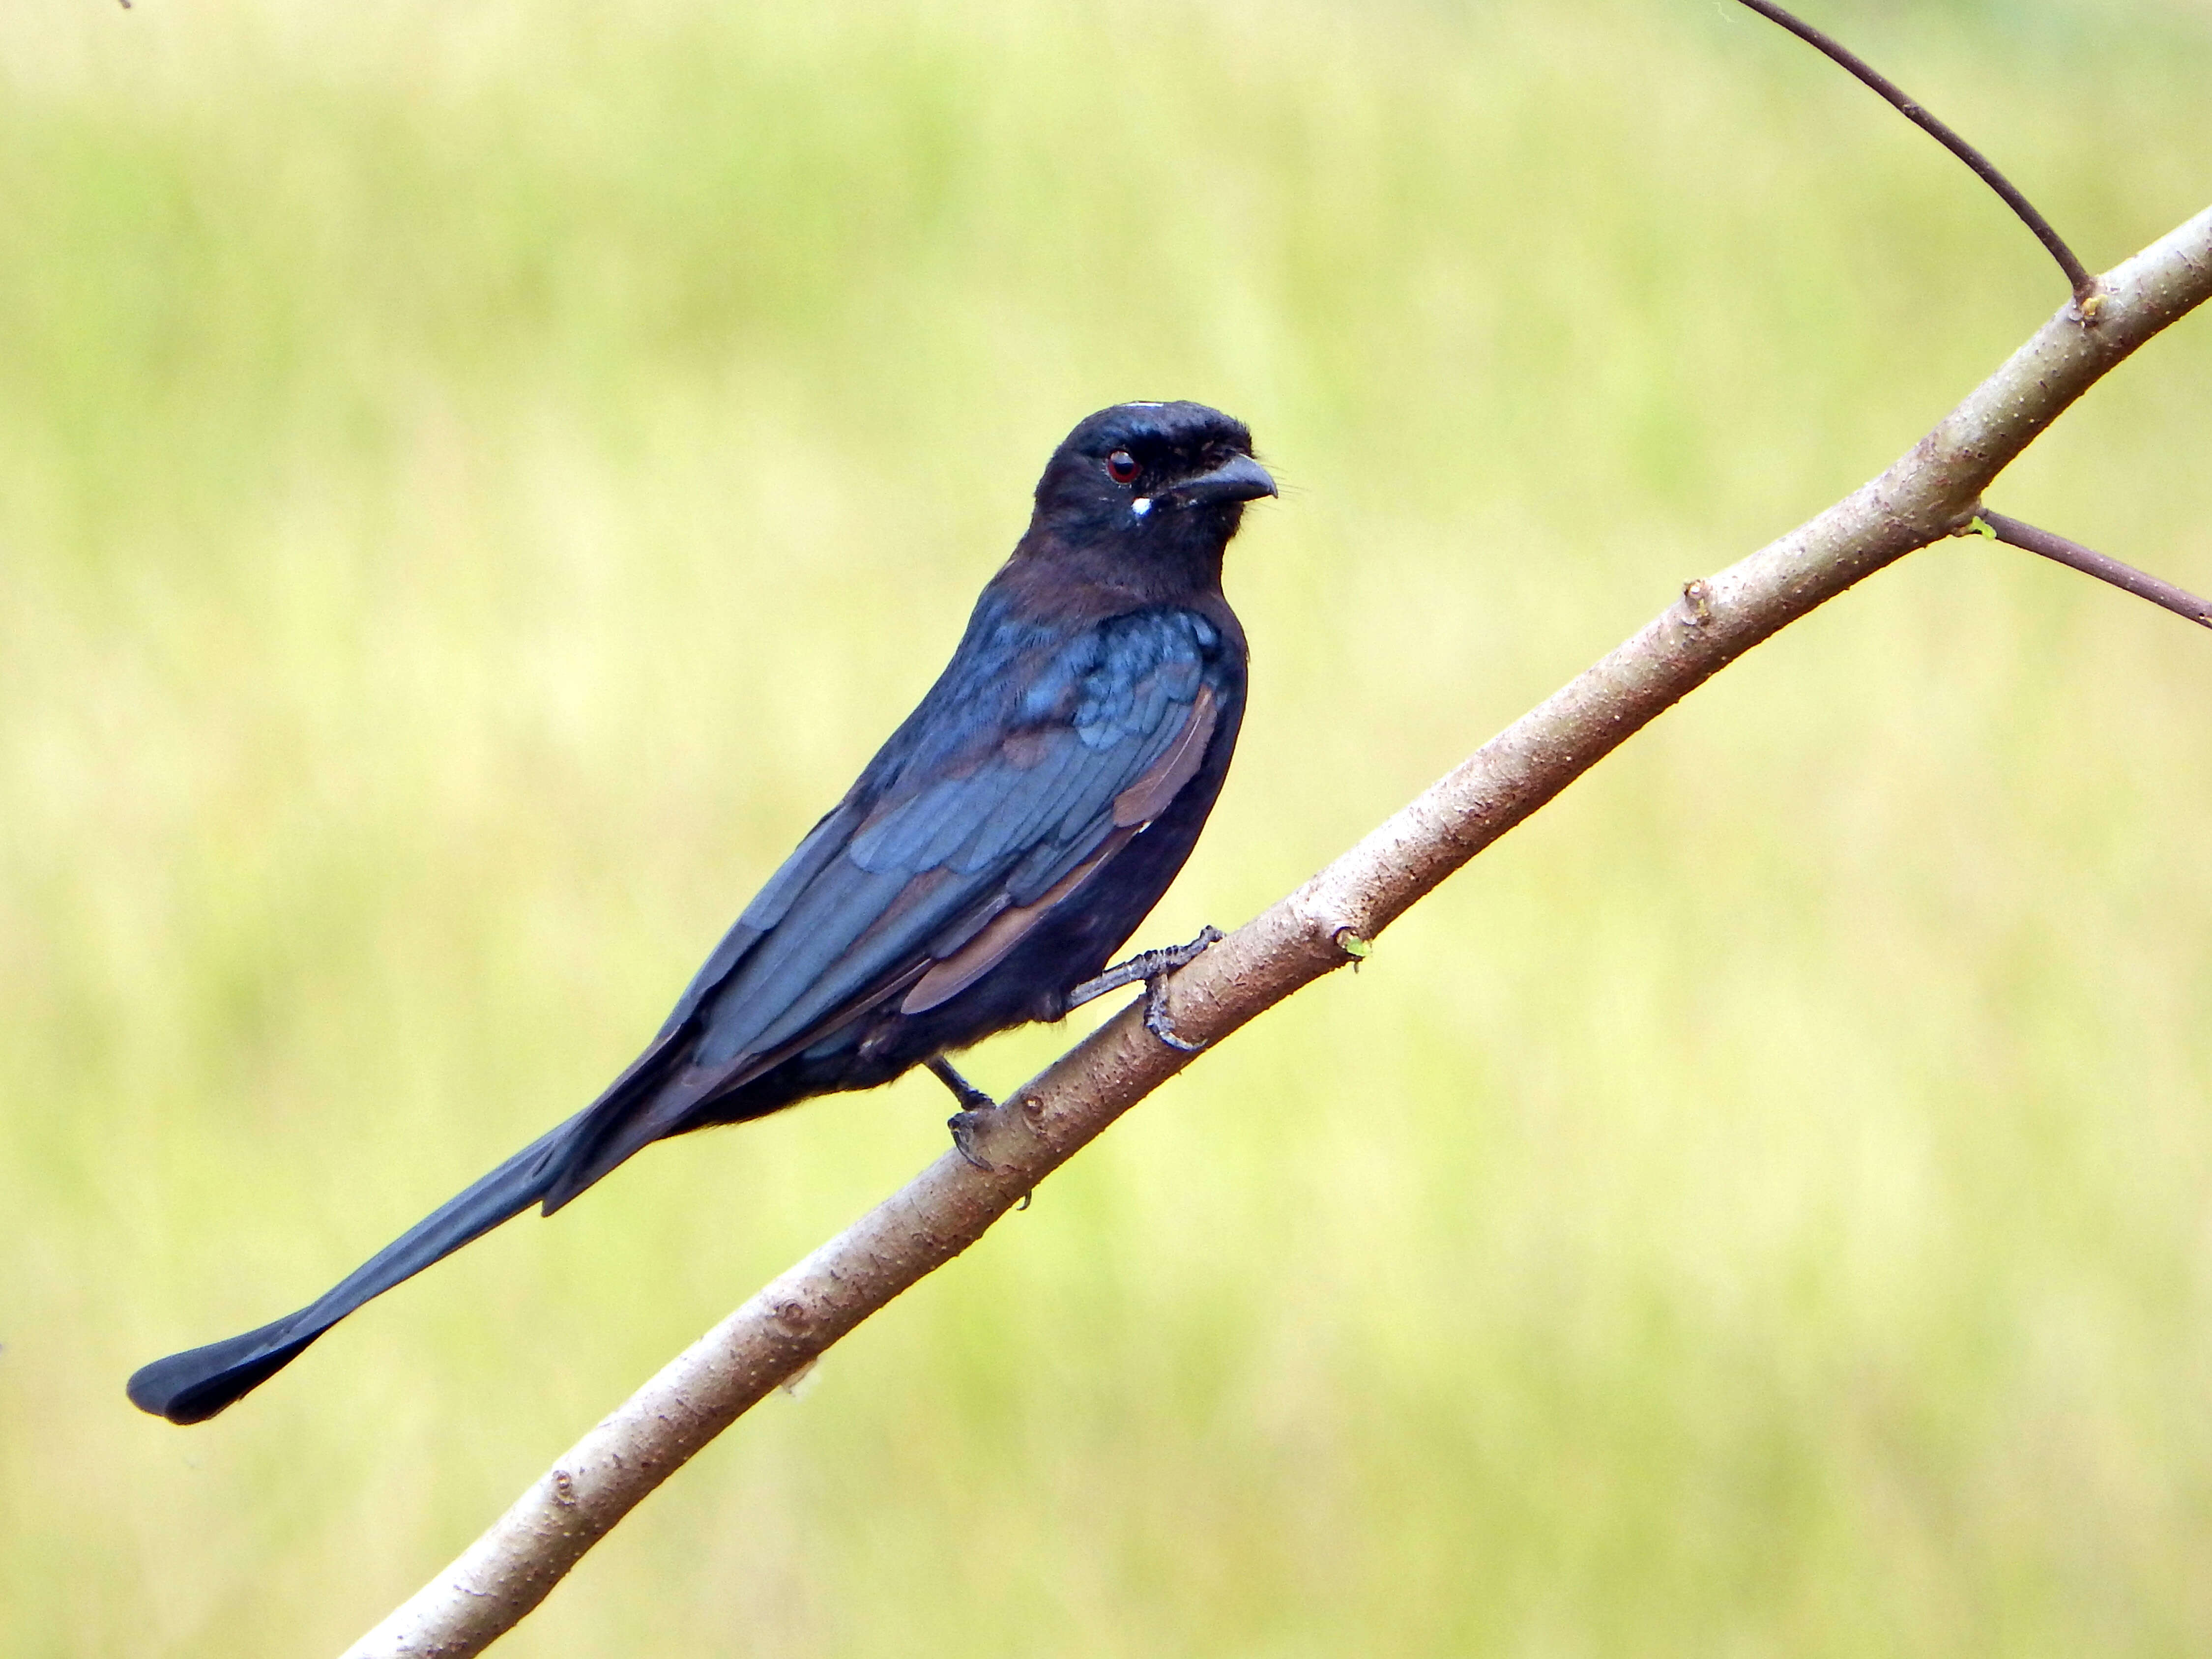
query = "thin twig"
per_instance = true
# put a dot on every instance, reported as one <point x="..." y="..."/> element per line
<point x="2077" y="275"/>
<point x="1331" y="920"/>
<point x="2104" y="568"/>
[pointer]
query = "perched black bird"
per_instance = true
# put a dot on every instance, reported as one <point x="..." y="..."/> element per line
<point x="1004" y="844"/>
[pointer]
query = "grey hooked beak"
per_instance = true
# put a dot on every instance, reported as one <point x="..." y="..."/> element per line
<point x="1239" y="478"/>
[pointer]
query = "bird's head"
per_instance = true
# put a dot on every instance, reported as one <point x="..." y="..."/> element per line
<point x="1150" y="482"/>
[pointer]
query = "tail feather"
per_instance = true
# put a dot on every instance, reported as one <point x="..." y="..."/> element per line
<point x="193" y="1386"/>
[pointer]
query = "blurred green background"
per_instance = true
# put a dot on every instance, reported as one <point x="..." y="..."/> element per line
<point x="476" y="480"/>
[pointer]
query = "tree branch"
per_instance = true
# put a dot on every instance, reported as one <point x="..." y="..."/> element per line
<point x="1932" y="492"/>
<point x="2106" y="568"/>
<point x="2077" y="275"/>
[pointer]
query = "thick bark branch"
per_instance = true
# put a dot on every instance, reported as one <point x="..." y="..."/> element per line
<point x="1927" y="495"/>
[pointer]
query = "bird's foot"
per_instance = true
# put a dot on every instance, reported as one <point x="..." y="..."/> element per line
<point x="1146" y="965"/>
<point x="1153" y="967"/>
<point x="966" y="1124"/>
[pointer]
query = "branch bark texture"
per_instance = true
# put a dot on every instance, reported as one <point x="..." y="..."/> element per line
<point x="1930" y="493"/>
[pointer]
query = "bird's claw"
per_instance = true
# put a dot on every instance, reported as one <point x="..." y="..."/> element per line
<point x="1155" y="1017"/>
<point x="966" y="1127"/>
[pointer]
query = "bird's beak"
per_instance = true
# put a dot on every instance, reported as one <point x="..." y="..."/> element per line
<point x="1240" y="478"/>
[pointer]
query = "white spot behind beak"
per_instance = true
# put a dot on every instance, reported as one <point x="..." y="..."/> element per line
<point x="1141" y="506"/>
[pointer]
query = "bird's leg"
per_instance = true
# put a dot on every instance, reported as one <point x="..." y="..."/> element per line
<point x="973" y="1102"/>
<point x="1153" y="967"/>
<point x="971" y="1098"/>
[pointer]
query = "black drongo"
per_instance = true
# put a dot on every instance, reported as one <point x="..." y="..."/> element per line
<point x="1005" y="842"/>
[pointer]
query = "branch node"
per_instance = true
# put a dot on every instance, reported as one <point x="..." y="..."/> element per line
<point x="1697" y="601"/>
<point x="564" y="1489"/>
<point x="795" y="1384"/>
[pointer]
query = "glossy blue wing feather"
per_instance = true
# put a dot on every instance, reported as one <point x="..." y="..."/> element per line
<point x="801" y="951"/>
<point x="822" y="843"/>
<point x="868" y="962"/>
<point x="931" y="827"/>
<point x="1014" y="824"/>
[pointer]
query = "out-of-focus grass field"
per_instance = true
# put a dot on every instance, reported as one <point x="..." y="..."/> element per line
<point x="476" y="481"/>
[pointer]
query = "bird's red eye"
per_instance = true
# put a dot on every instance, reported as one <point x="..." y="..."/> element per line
<point x="1121" y="466"/>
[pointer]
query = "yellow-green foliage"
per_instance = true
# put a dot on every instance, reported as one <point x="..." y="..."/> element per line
<point x="476" y="480"/>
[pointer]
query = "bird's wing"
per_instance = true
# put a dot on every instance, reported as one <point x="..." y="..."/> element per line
<point x="997" y="799"/>
<point x="952" y="842"/>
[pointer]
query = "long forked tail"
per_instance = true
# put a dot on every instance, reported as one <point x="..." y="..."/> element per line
<point x="193" y="1386"/>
